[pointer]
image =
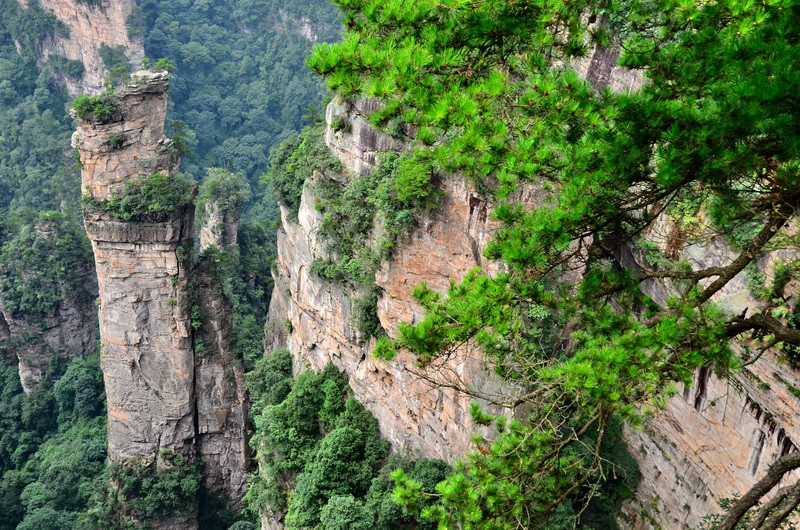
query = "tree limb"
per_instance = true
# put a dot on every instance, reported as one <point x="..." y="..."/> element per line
<point x="774" y="475"/>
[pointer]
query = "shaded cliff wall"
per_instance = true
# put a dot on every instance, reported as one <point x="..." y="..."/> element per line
<point x="69" y="331"/>
<point x="90" y="25"/>
<point x="222" y="402"/>
<point x="712" y="440"/>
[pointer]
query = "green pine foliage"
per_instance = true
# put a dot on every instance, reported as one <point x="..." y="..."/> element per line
<point x="488" y="93"/>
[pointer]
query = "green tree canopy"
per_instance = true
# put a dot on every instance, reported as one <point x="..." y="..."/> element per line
<point x="710" y="139"/>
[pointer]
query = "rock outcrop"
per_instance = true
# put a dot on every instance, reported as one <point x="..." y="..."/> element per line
<point x="69" y="331"/>
<point x="90" y="24"/>
<point x="413" y="411"/>
<point x="222" y="403"/>
<point x="147" y="351"/>
<point x="714" y="439"/>
<point x="168" y="387"/>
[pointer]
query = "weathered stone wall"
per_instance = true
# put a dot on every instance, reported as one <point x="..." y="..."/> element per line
<point x="716" y="438"/>
<point x="222" y="402"/>
<point x="171" y="379"/>
<point x="132" y="143"/>
<point x="90" y="24"/>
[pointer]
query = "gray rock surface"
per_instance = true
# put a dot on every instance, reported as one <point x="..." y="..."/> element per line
<point x="164" y="390"/>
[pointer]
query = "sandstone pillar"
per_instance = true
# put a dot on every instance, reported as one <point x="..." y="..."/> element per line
<point x="222" y="404"/>
<point x="147" y="354"/>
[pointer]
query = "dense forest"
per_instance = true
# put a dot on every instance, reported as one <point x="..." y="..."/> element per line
<point x="241" y="87"/>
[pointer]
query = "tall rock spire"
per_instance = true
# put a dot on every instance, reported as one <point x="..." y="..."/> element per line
<point x="172" y="382"/>
<point x="147" y="354"/>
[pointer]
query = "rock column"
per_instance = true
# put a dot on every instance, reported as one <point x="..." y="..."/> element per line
<point x="147" y="354"/>
<point x="222" y="404"/>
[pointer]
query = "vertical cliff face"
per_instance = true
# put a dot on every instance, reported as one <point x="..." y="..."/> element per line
<point x="222" y="403"/>
<point x="90" y="25"/>
<point x="147" y="352"/>
<point x="68" y="331"/>
<point x="716" y="438"/>
<point x="171" y="381"/>
<point x="713" y="440"/>
<point x="413" y="411"/>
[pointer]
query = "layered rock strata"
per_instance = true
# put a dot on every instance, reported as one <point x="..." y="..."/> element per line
<point x="90" y="24"/>
<point x="145" y="331"/>
<point x="168" y="386"/>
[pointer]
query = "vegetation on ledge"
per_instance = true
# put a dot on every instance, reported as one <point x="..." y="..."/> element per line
<point x="152" y="198"/>
<point x="139" y="491"/>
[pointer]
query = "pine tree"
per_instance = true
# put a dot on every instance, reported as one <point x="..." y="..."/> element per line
<point x="711" y="140"/>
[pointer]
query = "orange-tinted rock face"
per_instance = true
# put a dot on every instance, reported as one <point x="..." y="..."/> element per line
<point x="90" y="24"/>
<point x="712" y="440"/>
<point x="430" y="419"/>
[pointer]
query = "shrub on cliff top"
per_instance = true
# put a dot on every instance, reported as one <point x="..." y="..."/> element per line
<point x="100" y="107"/>
<point x="294" y="161"/>
<point x="229" y="190"/>
<point x="150" y="198"/>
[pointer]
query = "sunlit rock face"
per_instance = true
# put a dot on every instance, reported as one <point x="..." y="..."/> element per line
<point x="714" y="439"/>
<point x="171" y="380"/>
<point x="90" y="25"/>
